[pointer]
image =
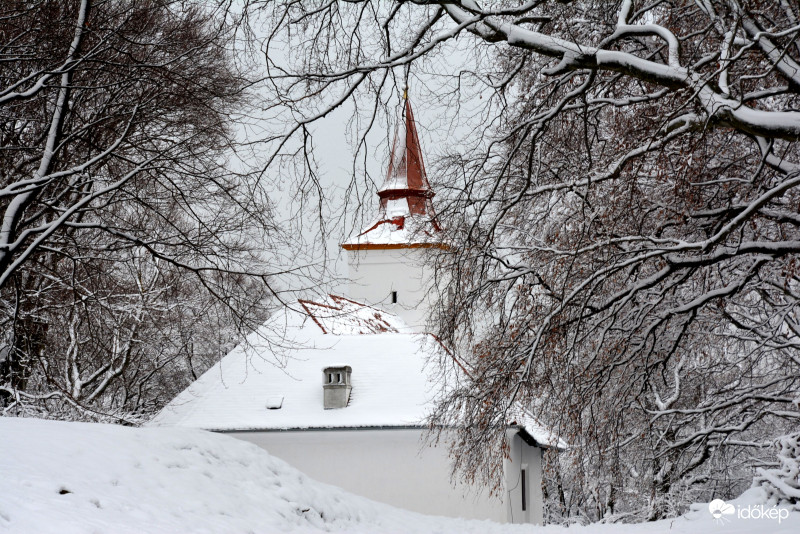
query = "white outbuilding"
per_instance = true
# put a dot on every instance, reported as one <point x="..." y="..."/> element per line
<point x="347" y="403"/>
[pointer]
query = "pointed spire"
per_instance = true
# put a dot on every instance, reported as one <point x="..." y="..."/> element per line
<point x="406" y="178"/>
<point x="405" y="216"/>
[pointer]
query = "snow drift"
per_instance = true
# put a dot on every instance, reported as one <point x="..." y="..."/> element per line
<point x="80" y="477"/>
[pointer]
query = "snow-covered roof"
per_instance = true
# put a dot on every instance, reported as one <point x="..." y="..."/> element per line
<point x="524" y="420"/>
<point x="341" y="316"/>
<point x="399" y="231"/>
<point x="405" y="214"/>
<point x="390" y="385"/>
<point x="281" y="365"/>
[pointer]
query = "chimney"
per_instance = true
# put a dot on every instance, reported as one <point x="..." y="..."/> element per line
<point x="336" y="386"/>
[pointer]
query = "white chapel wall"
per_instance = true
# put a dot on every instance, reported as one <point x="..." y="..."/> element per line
<point x="523" y="456"/>
<point x="374" y="274"/>
<point x="384" y="465"/>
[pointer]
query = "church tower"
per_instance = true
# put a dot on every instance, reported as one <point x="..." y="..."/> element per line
<point x="385" y="258"/>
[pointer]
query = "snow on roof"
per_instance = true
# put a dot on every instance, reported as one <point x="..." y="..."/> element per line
<point x="341" y="316"/>
<point x="390" y="383"/>
<point x="256" y="387"/>
<point x="524" y="420"/>
<point x="399" y="230"/>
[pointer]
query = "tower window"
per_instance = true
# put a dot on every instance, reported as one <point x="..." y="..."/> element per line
<point x="524" y="493"/>
<point x="394" y="297"/>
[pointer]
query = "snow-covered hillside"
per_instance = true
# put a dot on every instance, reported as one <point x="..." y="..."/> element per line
<point x="78" y="477"/>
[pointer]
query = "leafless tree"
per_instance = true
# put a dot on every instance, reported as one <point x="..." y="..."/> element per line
<point x="624" y="235"/>
<point x="128" y="225"/>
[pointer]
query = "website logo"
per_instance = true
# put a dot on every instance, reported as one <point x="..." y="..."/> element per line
<point x="723" y="512"/>
<point x="719" y="509"/>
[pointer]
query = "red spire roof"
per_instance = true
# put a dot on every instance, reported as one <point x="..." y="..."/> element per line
<point x="406" y="178"/>
<point x="405" y="215"/>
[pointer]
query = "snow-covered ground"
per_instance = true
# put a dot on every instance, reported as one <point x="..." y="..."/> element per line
<point x="77" y="477"/>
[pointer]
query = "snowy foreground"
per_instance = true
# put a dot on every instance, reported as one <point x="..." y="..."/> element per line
<point x="76" y="477"/>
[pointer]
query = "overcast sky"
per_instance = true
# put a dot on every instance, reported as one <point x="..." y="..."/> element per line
<point x="445" y="123"/>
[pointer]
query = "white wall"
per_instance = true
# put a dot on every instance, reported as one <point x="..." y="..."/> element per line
<point x="383" y="465"/>
<point x="523" y="456"/>
<point x="374" y="274"/>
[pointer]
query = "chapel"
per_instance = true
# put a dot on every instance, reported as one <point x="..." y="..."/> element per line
<point x="340" y="387"/>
